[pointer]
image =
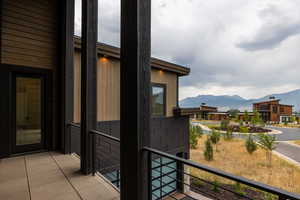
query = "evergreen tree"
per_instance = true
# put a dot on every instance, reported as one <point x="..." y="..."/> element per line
<point x="250" y="145"/>
<point x="215" y="138"/>
<point x="209" y="152"/>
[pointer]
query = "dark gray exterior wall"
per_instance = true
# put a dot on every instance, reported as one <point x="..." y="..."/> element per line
<point x="168" y="134"/>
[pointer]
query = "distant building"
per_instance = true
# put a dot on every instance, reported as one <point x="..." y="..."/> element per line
<point x="274" y="112"/>
<point x="218" y="116"/>
<point x="201" y="112"/>
<point x="208" y="113"/>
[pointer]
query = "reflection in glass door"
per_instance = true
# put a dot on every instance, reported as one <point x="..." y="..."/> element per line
<point x="28" y="111"/>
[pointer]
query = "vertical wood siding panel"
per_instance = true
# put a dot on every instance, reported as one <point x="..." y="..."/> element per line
<point x="108" y="91"/>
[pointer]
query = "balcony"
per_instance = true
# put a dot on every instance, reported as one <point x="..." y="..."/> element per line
<point x="171" y="174"/>
<point x="146" y="161"/>
<point x="50" y="176"/>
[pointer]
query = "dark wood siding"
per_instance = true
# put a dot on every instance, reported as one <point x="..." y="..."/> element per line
<point x="29" y="33"/>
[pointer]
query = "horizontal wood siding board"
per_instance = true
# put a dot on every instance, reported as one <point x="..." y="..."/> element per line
<point x="40" y="4"/>
<point x="25" y="17"/>
<point x="37" y="59"/>
<point x="28" y="13"/>
<point x="20" y="62"/>
<point x="36" y="43"/>
<point x="29" y="33"/>
<point x="17" y="27"/>
<point x="31" y="53"/>
<point x="28" y="36"/>
<point x="21" y="22"/>
<point x="31" y="6"/>
<point x="26" y="47"/>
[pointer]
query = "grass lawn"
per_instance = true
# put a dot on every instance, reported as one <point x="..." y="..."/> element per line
<point x="232" y="157"/>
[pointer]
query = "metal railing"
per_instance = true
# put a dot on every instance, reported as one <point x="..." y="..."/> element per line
<point x="174" y="179"/>
<point x="171" y="176"/>
<point x="106" y="156"/>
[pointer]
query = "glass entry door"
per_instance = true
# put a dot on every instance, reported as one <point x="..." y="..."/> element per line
<point x="29" y="113"/>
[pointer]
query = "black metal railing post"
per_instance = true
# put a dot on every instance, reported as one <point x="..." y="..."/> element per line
<point x="149" y="174"/>
<point x="180" y="175"/>
<point x="93" y="154"/>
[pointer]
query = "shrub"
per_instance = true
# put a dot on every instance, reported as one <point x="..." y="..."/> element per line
<point x="197" y="182"/>
<point x="215" y="138"/>
<point x="250" y="145"/>
<point x="198" y="131"/>
<point x="238" y="189"/>
<point x="195" y="133"/>
<point x="209" y="152"/>
<point x="244" y="129"/>
<point x="241" y="122"/>
<point x="224" y="124"/>
<point x="216" y="186"/>
<point x="268" y="196"/>
<point x="228" y="135"/>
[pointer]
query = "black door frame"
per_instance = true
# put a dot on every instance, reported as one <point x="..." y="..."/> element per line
<point x="49" y="104"/>
<point x="28" y="147"/>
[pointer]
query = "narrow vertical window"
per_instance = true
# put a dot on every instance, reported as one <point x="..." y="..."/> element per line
<point x="158" y="99"/>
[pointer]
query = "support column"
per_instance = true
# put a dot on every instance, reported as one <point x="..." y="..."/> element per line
<point x="67" y="77"/>
<point x="135" y="97"/>
<point x="88" y="80"/>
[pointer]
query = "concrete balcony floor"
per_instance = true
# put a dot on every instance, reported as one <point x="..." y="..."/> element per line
<point x="50" y="176"/>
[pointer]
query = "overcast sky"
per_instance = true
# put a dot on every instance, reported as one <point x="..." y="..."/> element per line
<point x="246" y="47"/>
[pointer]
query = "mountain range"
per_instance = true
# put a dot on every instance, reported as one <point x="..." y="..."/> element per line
<point x="226" y="102"/>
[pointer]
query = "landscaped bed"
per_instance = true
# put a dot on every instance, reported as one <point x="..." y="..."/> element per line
<point x="250" y="129"/>
<point x="233" y="157"/>
<point x="287" y="125"/>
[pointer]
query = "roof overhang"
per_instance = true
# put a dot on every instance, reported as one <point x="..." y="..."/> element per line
<point x="114" y="52"/>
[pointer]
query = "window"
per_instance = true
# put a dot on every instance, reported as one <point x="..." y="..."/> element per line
<point x="158" y="99"/>
<point x="275" y="109"/>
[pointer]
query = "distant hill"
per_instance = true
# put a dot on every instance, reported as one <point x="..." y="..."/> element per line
<point x="226" y="102"/>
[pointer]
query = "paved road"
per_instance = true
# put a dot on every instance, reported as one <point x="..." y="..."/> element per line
<point x="290" y="151"/>
<point x="288" y="134"/>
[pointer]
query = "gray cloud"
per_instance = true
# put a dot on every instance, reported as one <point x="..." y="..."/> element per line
<point x="222" y="43"/>
<point x="276" y="28"/>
